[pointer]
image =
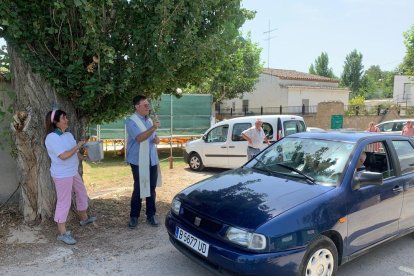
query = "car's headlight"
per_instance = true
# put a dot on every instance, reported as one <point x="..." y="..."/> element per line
<point x="175" y="206"/>
<point x="247" y="239"/>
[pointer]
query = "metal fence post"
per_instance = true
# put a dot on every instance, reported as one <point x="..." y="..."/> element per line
<point x="280" y="109"/>
<point x="261" y="110"/>
<point x="231" y="112"/>
<point x="303" y="109"/>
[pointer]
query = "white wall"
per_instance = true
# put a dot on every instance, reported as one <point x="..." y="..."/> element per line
<point x="267" y="88"/>
<point x="271" y="91"/>
<point x="316" y="95"/>
<point x="398" y="93"/>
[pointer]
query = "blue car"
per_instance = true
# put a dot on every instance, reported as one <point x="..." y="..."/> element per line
<point x="303" y="206"/>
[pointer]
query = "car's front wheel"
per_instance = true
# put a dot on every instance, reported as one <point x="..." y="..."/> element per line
<point x="321" y="258"/>
<point x="195" y="162"/>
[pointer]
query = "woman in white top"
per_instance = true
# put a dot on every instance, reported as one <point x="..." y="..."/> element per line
<point x="63" y="152"/>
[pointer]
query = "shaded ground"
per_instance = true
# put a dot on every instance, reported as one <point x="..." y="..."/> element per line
<point x="106" y="247"/>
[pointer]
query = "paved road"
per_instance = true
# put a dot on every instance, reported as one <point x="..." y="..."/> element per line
<point x="135" y="253"/>
<point x="395" y="258"/>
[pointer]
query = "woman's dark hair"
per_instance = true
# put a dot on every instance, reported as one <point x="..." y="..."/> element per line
<point x="51" y="122"/>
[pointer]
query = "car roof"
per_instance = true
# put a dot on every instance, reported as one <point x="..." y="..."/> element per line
<point x="262" y="117"/>
<point x="351" y="137"/>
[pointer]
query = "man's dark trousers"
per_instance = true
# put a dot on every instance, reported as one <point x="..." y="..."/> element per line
<point x="136" y="199"/>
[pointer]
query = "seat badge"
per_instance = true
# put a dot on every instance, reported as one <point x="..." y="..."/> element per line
<point x="197" y="221"/>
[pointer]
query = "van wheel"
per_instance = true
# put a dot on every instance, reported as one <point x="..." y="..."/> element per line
<point x="195" y="162"/>
<point x="321" y="258"/>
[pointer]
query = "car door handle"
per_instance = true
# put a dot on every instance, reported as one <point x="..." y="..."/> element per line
<point x="398" y="189"/>
<point x="223" y="147"/>
<point x="231" y="147"/>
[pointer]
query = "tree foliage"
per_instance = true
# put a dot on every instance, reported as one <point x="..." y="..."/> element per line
<point x="321" y="67"/>
<point x="407" y="66"/>
<point x="99" y="54"/>
<point x="377" y="83"/>
<point x="237" y="74"/>
<point x="92" y="57"/>
<point x="353" y="70"/>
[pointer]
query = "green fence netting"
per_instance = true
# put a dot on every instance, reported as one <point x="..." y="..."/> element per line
<point x="192" y="115"/>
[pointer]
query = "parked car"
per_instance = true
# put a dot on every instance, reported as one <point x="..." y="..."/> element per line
<point x="222" y="146"/>
<point x="303" y="206"/>
<point x="394" y="126"/>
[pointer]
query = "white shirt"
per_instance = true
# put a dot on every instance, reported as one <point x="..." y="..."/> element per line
<point x="56" y="145"/>
<point x="257" y="136"/>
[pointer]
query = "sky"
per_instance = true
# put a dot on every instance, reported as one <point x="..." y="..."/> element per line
<point x="305" y="29"/>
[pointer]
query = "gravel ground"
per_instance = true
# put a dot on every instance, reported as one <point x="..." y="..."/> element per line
<point x="106" y="247"/>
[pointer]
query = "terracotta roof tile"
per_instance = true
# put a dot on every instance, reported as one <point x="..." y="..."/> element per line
<point x="295" y="75"/>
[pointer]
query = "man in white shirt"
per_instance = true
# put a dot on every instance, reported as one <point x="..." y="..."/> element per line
<point x="254" y="137"/>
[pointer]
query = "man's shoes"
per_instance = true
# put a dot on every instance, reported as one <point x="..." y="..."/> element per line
<point x="153" y="221"/>
<point x="90" y="219"/>
<point x="133" y="222"/>
<point x="66" y="238"/>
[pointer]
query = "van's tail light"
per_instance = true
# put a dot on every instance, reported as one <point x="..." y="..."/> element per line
<point x="279" y="135"/>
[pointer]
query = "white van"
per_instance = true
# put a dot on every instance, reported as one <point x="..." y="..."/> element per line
<point x="222" y="146"/>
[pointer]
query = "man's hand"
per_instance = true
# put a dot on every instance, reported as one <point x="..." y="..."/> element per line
<point x="156" y="122"/>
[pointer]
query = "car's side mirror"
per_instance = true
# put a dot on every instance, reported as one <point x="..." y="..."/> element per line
<point x="366" y="178"/>
<point x="205" y="138"/>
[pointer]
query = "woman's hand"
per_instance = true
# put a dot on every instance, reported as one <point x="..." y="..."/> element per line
<point x="156" y="140"/>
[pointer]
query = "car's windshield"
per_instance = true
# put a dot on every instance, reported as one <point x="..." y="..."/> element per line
<point x="321" y="160"/>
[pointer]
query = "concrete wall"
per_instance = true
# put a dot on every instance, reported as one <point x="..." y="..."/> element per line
<point x="399" y="85"/>
<point x="8" y="169"/>
<point x="323" y="117"/>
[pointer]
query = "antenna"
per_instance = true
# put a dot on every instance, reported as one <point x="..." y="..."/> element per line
<point x="268" y="42"/>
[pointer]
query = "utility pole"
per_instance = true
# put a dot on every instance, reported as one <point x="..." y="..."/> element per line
<point x="268" y="32"/>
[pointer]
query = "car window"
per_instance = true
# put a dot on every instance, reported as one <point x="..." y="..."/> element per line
<point x="398" y="126"/>
<point x="378" y="159"/>
<point x="218" y="134"/>
<point x="268" y="130"/>
<point x="293" y="126"/>
<point x="405" y="153"/>
<point x="322" y="160"/>
<point x="386" y="126"/>
<point x="238" y="129"/>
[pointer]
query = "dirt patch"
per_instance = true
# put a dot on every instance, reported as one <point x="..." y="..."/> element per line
<point x="31" y="249"/>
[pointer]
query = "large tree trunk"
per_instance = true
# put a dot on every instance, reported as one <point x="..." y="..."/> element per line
<point x="34" y="98"/>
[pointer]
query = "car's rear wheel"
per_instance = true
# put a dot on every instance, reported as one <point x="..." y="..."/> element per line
<point x="195" y="162"/>
<point x="321" y="258"/>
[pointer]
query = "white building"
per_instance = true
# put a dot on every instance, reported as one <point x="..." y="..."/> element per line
<point x="287" y="88"/>
<point x="404" y="90"/>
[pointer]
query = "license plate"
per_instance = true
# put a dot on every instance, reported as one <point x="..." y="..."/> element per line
<point x="194" y="243"/>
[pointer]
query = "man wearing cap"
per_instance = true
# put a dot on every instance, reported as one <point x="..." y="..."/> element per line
<point x="254" y="137"/>
<point x="408" y="130"/>
<point x="143" y="159"/>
